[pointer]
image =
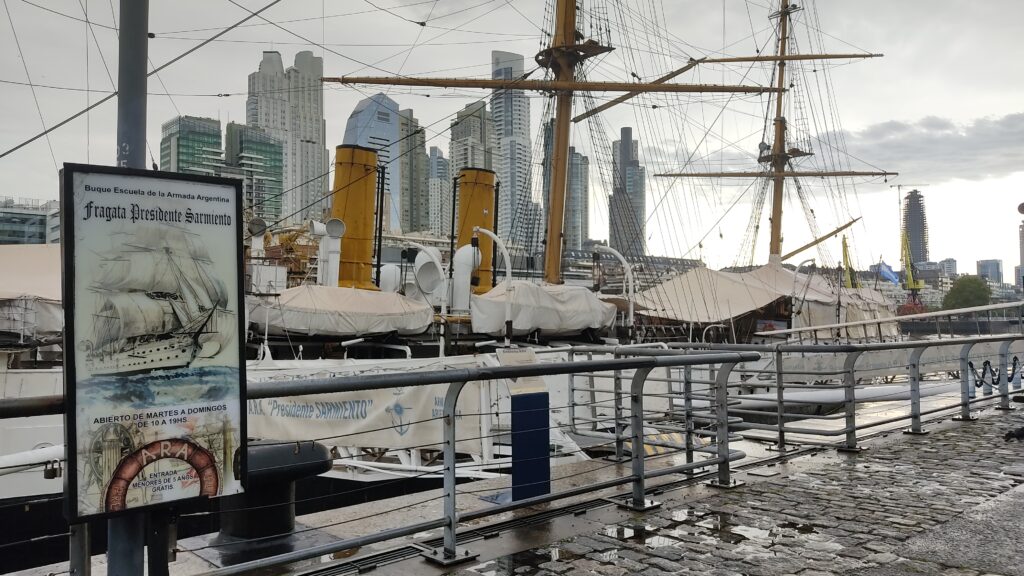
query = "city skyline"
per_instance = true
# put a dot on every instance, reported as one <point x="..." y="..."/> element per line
<point x="959" y="134"/>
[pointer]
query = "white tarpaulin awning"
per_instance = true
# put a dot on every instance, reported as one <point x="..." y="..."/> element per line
<point x="551" y="308"/>
<point x="706" y="296"/>
<point x="30" y="293"/>
<point x="334" y="311"/>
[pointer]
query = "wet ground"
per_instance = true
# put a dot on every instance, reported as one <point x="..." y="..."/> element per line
<point x="946" y="503"/>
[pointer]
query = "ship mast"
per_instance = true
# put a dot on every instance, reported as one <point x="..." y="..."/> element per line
<point x="562" y="62"/>
<point x="567" y="50"/>
<point x="778" y="158"/>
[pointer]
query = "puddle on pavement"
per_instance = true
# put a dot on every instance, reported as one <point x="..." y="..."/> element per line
<point x="556" y="553"/>
<point x="641" y="534"/>
<point x="345" y="553"/>
<point x="608" y="556"/>
<point x="723" y="527"/>
<point x="800" y="528"/>
<point x="507" y="565"/>
<point x="711" y="528"/>
<point x="658" y="541"/>
<point x="486" y="569"/>
<point x="619" y="532"/>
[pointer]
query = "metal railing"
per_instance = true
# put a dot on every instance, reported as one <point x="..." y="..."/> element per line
<point x="720" y="453"/>
<point x="847" y="378"/>
<point x="708" y="388"/>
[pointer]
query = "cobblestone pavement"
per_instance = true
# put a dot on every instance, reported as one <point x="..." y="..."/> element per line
<point x="854" y="514"/>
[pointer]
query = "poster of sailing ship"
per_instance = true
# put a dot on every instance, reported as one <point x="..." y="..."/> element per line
<point x="154" y="365"/>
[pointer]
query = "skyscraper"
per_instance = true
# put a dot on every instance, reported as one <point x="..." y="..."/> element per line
<point x="414" y="195"/>
<point x="577" y="202"/>
<point x="191" y="145"/>
<point x="948" y="267"/>
<point x="627" y="208"/>
<point x="439" y="181"/>
<point x="510" y="114"/>
<point x="289" y="105"/>
<point x="991" y="270"/>
<point x="374" y="124"/>
<point x="258" y="158"/>
<point x="472" y="141"/>
<point x="915" y="226"/>
<point x="1018" y="281"/>
<point x="576" y="219"/>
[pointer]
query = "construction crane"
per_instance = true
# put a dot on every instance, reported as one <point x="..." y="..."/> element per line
<point x="912" y="285"/>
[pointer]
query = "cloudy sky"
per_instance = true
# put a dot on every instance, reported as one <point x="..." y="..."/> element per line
<point x="944" y="107"/>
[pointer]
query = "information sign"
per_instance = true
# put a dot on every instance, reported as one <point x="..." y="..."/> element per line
<point x="153" y="350"/>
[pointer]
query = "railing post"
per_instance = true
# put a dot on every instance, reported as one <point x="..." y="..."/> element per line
<point x="966" y="388"/>
<point x="619" y="414"/>
<point x="724" y="479"/>
<point x="850" y="401"/>
<point x="1004" y="376"/>
<point x="688" y="412"/>
<point x="915" y="391"/>
<point x="986" y="386"/>
<point x="638" y="502"/>
<point x="781" y="402"/>
<point x="572" y="395"/>
<point x="79" y="558"/>
<point x="592" y="383"/>
<point x="448" y="555"/>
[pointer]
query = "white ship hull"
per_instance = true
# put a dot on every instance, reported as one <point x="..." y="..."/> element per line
<point x="175" y="352"/>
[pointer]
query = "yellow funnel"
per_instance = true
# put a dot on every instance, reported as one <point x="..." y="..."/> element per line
<point x="476" y="208"/>
<point x="355" y="187"/>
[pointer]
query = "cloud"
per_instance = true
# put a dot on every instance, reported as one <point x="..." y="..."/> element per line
<point x="937" y="149"/>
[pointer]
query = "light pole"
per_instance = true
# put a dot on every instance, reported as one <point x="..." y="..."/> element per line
<point x="444" y="300"/>
<point x="508" y="279"/>
<point x="630" y="287"/>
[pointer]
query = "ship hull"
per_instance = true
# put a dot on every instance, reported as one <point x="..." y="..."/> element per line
<point x="175" y="352"/>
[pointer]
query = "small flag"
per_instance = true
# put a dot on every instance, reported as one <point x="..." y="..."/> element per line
<point x="886" y="272"/>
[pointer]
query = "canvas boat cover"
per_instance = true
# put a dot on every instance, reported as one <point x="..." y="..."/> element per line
<point x="30" y="293"/>
<point x="554" y="309"/>
<point x="334" y="311"/>
<point x="707" y="296"/>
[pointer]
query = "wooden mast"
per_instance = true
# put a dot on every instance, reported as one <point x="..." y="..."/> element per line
<point x="563" y="64"/>
<point x="778" y="158"/>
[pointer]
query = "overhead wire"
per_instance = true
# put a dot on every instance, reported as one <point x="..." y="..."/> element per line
<point x="28" y="75"/>
<point x="46" y="132"/>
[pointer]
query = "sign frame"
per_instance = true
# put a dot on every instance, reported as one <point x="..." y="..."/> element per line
<point x="239" y="463"/>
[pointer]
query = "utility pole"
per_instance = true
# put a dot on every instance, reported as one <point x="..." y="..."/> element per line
<point x="133" y="40"/>
<point x="126" y="535"/>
